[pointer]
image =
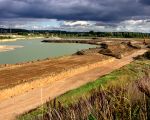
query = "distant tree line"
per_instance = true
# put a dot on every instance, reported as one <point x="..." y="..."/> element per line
<point x="75" y="34"/>
<point x="119" y="34"/>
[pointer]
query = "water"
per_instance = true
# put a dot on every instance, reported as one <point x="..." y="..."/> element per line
<point x="35" y="49"/>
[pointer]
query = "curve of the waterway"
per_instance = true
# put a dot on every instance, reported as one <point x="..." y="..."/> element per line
<point x="36" y="50"/>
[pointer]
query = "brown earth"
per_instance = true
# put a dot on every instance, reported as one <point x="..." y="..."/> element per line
<point x="13" y="75"/>
<point x="11" y="107"/>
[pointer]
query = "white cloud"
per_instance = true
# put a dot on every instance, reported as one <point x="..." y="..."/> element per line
<point x="134" y="26"/>
<point x="77" y="23"/>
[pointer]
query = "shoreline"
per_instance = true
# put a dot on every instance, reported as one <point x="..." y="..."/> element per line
<point x="6" y="48"/>
<point x="49" y="39"/>
<point x="99" y="41"/>
<point x="80" y="41"/>
<point x="20" y="38"/>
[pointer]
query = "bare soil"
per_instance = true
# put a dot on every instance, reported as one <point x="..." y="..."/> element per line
<point x="13" y="75"/>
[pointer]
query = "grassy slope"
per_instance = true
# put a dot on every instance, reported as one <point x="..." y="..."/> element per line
<point x="119" y="77"/>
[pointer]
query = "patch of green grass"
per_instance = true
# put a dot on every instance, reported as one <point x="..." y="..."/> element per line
<point x="122" y="76"/>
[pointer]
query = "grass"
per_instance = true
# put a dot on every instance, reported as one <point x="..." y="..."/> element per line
<point x="122" y="77"/>
<point x="115" y="103"/>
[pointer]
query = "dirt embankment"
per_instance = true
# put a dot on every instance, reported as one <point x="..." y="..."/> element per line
<point x="18" y="79"/>
<point x="112" y="47"/>
<point x="117" y="50"/>
<point x="97" y="41"/>
<point x="81" y="41"/>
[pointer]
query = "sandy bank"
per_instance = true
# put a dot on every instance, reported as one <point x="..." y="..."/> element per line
<point x="81" y="41"/>
<point x="4" y="48"/>
<point x="20" y="38"/>
<point x="8" y="40"/>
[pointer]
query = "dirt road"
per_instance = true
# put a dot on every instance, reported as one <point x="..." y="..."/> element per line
<point x="31" y="99"/>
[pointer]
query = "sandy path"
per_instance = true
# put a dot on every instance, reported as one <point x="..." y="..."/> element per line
<point x="29" y="100"/>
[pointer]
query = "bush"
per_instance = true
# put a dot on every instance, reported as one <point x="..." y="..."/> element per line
<point x="80" y="53"/>
<point x="143" y="57"/>
<point x="110" y="53"/>
<point x="147" y="55"/>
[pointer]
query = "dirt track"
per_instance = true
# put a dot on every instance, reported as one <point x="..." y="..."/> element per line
<point x="31" y="99"/>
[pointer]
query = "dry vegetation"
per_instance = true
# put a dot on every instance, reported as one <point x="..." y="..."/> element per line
<point x="115" y="103"/>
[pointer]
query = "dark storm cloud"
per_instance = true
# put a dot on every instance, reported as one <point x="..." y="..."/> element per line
<point x="146" y="2"/>
<point x="94" y="10"/>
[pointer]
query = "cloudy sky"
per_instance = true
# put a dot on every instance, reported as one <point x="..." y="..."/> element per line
<point x="76" y="15"/>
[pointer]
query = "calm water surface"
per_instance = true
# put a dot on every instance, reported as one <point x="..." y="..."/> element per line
<point x="35" y="49"/>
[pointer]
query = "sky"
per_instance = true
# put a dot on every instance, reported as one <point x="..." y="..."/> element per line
<point x="76" y="15"/>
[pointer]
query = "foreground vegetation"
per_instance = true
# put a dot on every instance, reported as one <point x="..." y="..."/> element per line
<point x="123" y="94"/>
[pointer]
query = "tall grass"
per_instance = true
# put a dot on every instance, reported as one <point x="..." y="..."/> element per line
<point x="114" y="103"/>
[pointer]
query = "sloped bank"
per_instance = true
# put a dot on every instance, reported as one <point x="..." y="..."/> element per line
<point x="83" y="41"/>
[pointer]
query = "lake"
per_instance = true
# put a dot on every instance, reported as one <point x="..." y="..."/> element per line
<point x="35" y="49"/>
